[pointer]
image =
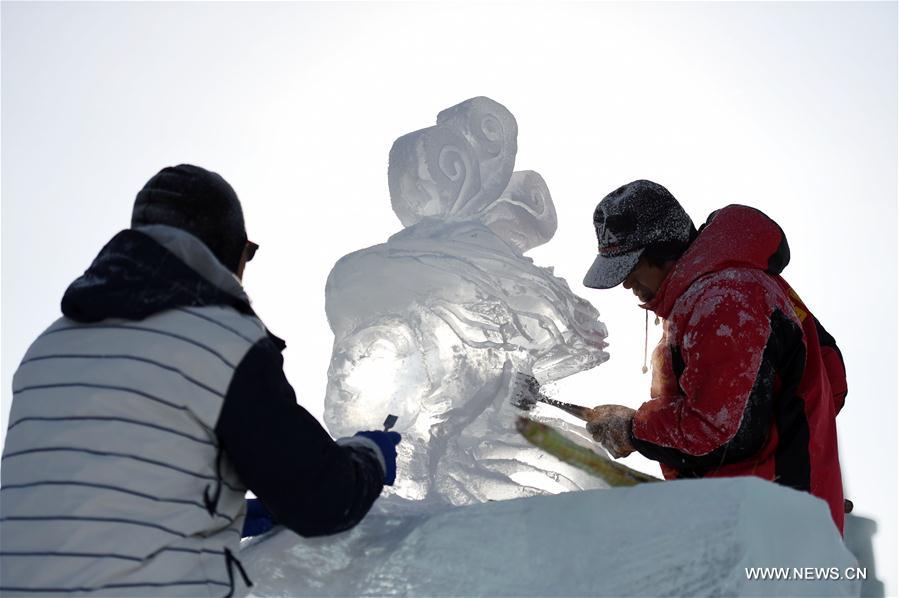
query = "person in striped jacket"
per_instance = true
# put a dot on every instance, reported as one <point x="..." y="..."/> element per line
<point x="143" y="415"/>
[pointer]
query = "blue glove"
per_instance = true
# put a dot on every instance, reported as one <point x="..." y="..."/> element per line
<point x="386" y="442"/>
<point x="258" y="520"/>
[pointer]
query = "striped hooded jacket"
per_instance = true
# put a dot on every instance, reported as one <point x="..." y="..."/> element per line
<point x="140" y="419"/>
<point x="746" y="381"/>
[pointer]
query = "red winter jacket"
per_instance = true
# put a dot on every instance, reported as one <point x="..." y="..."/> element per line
<point x="746" y="381"/>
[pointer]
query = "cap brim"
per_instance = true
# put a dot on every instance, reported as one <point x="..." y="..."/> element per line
<point x="608" y="272"/>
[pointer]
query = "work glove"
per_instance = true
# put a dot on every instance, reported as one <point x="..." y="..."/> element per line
<point x="385" y="442"/>
<point x="610" y="426"/>
<point x="259" y="520"/>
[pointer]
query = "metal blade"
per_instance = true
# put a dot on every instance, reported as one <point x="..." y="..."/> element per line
<point x="390" y="422"/>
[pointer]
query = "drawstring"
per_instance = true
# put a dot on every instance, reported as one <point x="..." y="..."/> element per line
<point x="230" y="561"/>
<point x="213" y="501"/>
<point x="646" y="342"/>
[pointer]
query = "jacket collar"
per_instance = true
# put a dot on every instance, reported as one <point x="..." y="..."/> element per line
<point x="151" y="269"/>
<point x="197" y="257"/>
<point x="735" y="236"/>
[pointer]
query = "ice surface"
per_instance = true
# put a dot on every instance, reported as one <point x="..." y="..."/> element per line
<point x="683" y="538"/>
<point x="431" y="325"/>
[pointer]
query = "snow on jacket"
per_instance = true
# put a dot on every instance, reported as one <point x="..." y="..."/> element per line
<point x="140" y="419"/>
<point x="746" y="381"/>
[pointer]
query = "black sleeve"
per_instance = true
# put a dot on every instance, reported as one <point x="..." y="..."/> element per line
<point x="283" y="454"/>
<point x="784" y="357"/>
<point x="749" y="439"/>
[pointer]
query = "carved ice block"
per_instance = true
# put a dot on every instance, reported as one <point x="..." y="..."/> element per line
<point x="431" y="325"/>
<point x="492" y="132"/>
<point x="524" y="216"/>
<point x="432" y="173"/>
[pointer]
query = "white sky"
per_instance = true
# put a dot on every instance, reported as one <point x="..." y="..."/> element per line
<point x="791" y="108"/>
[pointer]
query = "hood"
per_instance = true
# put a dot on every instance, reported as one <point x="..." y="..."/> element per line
<point x="733" y="237"/>
<point x="151" y="269"/>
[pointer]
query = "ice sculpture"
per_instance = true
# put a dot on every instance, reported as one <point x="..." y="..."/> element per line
<point x="432" y="324"/>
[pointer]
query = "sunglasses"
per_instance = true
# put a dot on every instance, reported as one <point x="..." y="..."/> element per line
<point x="250" y="250"/>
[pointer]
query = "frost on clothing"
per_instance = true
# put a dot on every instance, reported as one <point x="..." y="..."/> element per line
<point x="140" y="419"/>
<point x="429" y="325"/>
<point x="745" y="379"/>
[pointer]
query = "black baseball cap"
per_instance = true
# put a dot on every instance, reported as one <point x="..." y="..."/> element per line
<point x="627" y="221"/>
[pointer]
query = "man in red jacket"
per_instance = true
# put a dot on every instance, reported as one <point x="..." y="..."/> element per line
<point x="745" y="380"/>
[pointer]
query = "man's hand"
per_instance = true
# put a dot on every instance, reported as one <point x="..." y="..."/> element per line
<point x="386" y="443"/>
<point x="610" y="426"/>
